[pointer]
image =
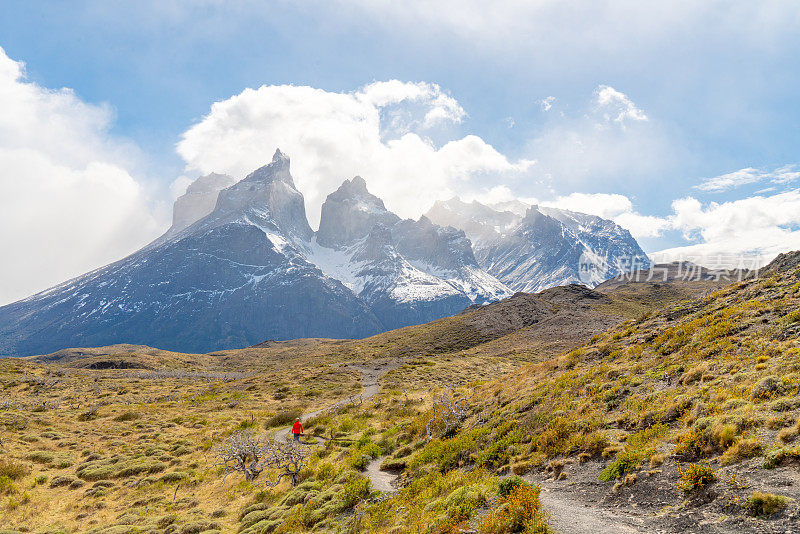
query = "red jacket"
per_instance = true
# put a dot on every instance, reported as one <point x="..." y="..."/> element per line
<point x="297" y="428"/>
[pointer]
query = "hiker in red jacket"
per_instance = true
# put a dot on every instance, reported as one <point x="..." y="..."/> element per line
<point x="297" y="430"/>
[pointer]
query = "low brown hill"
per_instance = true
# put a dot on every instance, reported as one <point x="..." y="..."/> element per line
<point x="527" y="326"/>
<point x="121" y="356"/>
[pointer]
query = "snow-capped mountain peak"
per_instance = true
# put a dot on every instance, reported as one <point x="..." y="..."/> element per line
<point x="267" y="195"/>
<point x="350" y="213"/>
<point x="531" y="248"/>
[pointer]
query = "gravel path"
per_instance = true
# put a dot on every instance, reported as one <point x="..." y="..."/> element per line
<point x="381" y="480"/>
<point x="574" y="517"/>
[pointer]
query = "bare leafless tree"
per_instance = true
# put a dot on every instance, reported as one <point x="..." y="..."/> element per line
<point x="242" y="452"/>
<point x="448" y="413"/>
<point x="289" y="458"/>
<point x="246" y="453"/>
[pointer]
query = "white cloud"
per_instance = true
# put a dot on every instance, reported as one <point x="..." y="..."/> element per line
<point x="334" y="136"/>
<point x="67" y="202"/>
<point x="617" y="106"/>
<point x="749" y="175"/>
<point x="745" y="232"/>
<point x="755" y="226"/>
<point x="554" y="30"/>
<point x="785" y="174"/>
<point x="730" y="180"/>
<point x="547" y="103"/>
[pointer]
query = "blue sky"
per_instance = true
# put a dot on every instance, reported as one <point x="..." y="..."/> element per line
<point x="628" y="109"/>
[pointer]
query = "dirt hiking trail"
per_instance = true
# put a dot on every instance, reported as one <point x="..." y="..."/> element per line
<point x="370" y="382"/>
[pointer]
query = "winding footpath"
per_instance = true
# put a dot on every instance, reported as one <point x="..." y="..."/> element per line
<point x="370" y="383"/>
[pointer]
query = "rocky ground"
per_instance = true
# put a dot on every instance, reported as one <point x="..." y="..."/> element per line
<point x="578" y="502"/>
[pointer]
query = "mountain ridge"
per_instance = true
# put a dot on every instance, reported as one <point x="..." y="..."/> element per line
<point x="252" y="268"/>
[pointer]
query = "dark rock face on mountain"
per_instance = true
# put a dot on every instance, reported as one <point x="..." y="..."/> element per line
<point x="546" y="247"/>
<point x="350" y="213"/>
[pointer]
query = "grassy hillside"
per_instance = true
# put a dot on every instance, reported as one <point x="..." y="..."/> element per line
<point x="122" y="439"/>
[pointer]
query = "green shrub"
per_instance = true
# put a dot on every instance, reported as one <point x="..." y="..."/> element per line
<point x="780" y="456"/>
<point x="7" y="486"/>
<point x="507" y="485"/>
<point x="447" y="454"/>
<point x="356" y="488"/>
<point x="463" y="501"/>
<point x="521" y="512"/>
<point x="66" y="480"/>
<point x="626" y="461"/>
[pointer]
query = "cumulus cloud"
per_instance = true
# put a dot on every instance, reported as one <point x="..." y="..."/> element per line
<point x="377" y="132"/>
<point x="744" y="232"/>
<point x="749" y="175"/>
<point x="67" y="202"/>
<point x="617" y="106"/>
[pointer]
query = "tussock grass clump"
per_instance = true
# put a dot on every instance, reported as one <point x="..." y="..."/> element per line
<point x="787" y="435"/>
<point x="66" y="480"/>
<point x="282" y="418"/>
<point x="766" y="388"/>
<point x="117" y="467"/>
<point x="741" y="450"/>
<point x="55" y="460"/>
<point x="127" y="416"/>
<point x="12" y="469"/>
<point x="761" y="504"/>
